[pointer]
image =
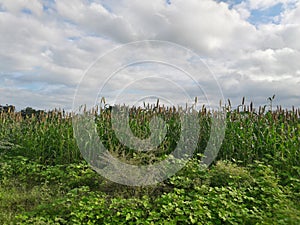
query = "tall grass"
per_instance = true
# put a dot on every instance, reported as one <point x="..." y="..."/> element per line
<point x="272" y="136"/>
<point x="46" y="138"/>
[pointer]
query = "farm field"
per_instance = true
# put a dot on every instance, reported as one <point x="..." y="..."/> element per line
<point x="254" y="180"/>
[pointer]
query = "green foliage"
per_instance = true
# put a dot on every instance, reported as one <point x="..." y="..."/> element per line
<point x="228" y="174"/>
<point x="46" y="138"/>
<point x="43" y="179"/>
<point x="262" y="203"/>
<point x="72" y="195"/>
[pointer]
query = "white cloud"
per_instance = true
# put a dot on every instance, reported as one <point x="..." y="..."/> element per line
<point x="292" y="16"/>
<point x="17" y="6"/>
<point x="243" y="10"/>
<point x="271" y="62"/>
<point x="95" y="19"/>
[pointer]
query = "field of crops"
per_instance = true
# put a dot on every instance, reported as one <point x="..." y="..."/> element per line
<point x="255" y="178"/>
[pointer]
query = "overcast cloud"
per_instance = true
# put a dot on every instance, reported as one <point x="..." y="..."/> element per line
<point x="251" y="46"/>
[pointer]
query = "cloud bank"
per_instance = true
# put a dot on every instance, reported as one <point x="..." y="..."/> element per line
<point x="46" y="46"/>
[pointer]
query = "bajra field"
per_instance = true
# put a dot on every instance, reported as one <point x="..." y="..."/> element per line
<point x="255" y="178"/>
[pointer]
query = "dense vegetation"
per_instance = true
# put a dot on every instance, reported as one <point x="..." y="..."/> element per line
<point x="254" y="180"/>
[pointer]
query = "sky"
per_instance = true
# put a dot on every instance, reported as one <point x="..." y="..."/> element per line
<point x="251" y="47"/>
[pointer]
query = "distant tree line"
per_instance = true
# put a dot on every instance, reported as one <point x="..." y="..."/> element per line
<point x="7" y="108"/>
<point x="27" y="112"/>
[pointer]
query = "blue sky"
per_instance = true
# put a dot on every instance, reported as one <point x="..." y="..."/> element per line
<point x="270" y="12"/>
<point x="46" y="46"/>
<point x="267" y="15"/>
